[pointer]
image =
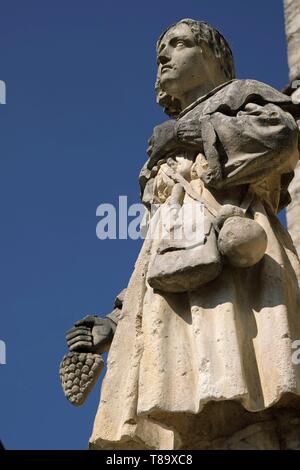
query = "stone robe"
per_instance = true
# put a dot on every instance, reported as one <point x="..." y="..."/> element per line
<point x="185" y="370"/>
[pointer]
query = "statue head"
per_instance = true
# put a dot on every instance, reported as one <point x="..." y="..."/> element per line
<point x="191" y="55"/>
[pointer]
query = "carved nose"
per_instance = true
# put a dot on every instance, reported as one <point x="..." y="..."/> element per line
<point x="163" y="59"/>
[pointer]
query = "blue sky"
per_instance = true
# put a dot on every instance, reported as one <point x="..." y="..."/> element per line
<point x="80" y="108"/>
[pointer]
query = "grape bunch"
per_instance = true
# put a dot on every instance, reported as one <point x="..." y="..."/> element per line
<point x="78" y="374"/>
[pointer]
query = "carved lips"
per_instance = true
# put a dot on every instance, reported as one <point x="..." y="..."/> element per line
<point x="166" y="67"/>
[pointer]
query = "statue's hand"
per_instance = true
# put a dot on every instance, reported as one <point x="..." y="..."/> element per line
<point x="91" y="334"/>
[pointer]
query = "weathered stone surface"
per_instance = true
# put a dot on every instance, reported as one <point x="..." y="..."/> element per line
<point x="205" y="368"/>
<point x="81" y="367"/>
<point x="281" y="432"/>
<point x="243" y="241"/>
<point x="293" y="210"/>
<point x="186" y="263"/>
<point x="73" y="375"/>
<point x="292" y="23"/>
<point x="210" y="365"/>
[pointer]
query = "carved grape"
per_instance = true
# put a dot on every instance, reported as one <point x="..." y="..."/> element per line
<point x="78" y="374"/>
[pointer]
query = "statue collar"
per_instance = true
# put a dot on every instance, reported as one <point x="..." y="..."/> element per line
<point x="204" y="98"/>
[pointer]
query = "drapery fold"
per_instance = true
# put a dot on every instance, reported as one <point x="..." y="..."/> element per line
<point x="229" y="341"/>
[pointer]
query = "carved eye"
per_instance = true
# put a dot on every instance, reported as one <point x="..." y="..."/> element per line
<point x="180" y="42"/>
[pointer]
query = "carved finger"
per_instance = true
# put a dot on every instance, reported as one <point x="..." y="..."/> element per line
<point x="87" y="341"/>
<point x="87" y="338"/>
<point x="88" y="321"/>
<point x="78" y="331"/>
<point x="75" y="328"/>
<point x="81" y="346"/>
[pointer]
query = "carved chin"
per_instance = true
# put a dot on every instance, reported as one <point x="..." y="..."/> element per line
<point x="170" y="85"/>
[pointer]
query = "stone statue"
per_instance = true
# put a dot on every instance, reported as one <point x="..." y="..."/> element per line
<point x="292" y="27"/>
<point x="201" y="353"/>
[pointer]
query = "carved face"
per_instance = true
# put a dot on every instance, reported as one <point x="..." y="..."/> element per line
<point x="182" y="64"/>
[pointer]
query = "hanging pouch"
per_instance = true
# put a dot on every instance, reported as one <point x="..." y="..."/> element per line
<point x="188" y="254"/>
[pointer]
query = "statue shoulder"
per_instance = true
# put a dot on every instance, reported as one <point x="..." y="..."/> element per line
<point x="236" y="94"/>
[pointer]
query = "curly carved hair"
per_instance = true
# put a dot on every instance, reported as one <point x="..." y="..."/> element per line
<point x="202" y="32"/>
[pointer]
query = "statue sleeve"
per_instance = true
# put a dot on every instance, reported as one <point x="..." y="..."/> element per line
<point x="257" y="141"/>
